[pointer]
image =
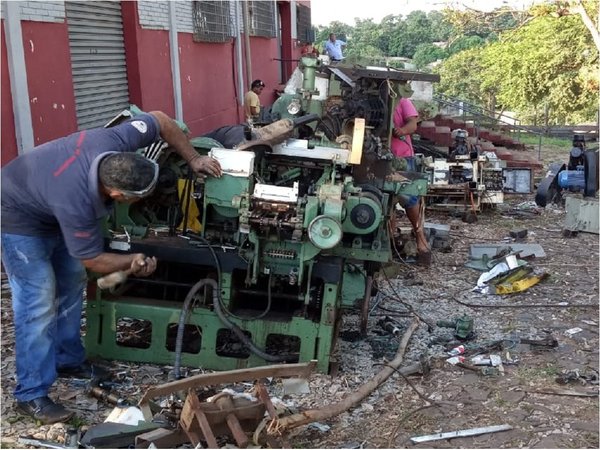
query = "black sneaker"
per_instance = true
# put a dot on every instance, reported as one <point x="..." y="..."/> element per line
<point x="45" y="410"/>
<point x="84" y="370"/>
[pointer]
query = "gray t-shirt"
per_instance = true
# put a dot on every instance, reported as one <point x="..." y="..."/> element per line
<point x="54" y="189"/>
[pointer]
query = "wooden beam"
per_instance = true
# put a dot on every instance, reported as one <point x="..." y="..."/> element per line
<point x="302" y="370"/>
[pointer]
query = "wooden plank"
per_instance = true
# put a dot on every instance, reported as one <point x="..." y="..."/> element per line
<point x="357" y="141"/>
<point x="263" y="395"/>
<point x="302" y="370"/>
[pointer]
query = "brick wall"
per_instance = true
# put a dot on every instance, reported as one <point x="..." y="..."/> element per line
<point x="154" y="15"/>
<point x="40" y="11"/>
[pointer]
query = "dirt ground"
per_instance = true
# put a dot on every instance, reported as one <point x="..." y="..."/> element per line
<point x="526" y="396"/>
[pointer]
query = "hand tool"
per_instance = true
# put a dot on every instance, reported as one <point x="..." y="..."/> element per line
<point x="113" y="279"/>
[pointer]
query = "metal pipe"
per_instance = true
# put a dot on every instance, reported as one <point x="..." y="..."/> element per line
<point x="238" y="54"/>
<point x="245" y="15"/>
<point x="174" y="49"/>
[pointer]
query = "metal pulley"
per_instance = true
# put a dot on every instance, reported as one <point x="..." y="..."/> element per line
<point x="325" y="232"/>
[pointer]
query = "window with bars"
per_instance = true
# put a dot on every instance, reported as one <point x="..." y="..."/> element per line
<point x="304" y="25"/>
<point x="262" y="18"/>
<point x="212" y="21"/>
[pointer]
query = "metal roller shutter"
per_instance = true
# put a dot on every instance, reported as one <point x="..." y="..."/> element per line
<point x="98" y="61"/>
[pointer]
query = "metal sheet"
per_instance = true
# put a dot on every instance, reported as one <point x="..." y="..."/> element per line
<point x="298" y="148"/>
<point x="582" y="215"/>
<point x="98" y="61"/>
<point x="478" y="250"/>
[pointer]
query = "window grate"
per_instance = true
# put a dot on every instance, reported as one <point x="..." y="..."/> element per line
<point x="212" y="21"/>
<point x="262" y="18"/>
<point x="304" y="25"/>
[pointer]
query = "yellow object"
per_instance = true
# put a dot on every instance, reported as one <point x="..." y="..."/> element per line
<point x="357" y="141"/>
<point x="193" y="223"/>
<point x="518" y="286"/>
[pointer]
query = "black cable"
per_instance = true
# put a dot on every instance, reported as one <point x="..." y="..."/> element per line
<point x="410" y="308"/>
<point x="221" y="311"/>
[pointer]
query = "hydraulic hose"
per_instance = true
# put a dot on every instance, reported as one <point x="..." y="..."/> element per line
<point x="233" y="327"/>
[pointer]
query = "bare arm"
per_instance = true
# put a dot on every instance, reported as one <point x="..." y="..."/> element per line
<point x="172" y="134"/>
<point x="140" y="265"/>
<point x="408" y="128"/>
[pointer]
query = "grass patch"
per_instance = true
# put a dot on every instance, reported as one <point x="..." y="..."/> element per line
<point x="78" y="422"/>
<point x="547" y="141"/>
<point x="531" y="373"/>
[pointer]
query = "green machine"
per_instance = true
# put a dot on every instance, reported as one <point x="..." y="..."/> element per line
<point x="258" y="266"/>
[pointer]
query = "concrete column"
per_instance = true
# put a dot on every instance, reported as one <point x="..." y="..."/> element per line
<point x="174" y="48"/>
<point x="18" y="77"/>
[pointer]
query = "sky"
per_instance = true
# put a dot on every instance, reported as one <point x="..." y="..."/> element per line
<point x="326" y="11"/>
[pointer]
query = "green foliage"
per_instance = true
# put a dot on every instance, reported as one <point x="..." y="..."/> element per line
<point x="426" y="54"/>
<point x="416" y="29"/>
<point x="541" y="63"/>
<point x="543" y="69"/>
<point x="460" y="76"/>
<point x="464" y="42"/>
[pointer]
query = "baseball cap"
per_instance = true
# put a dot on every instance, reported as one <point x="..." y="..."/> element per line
<point x="258" y="83"/>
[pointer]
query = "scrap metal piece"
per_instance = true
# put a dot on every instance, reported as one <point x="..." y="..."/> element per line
<point x="161" y="438"/>
<point x="519" y="285"/>
<point x="461" y="433"/>
<point x="231" y="376"/>
<point x="39" y="443"/>
<point x="582" y="215"/>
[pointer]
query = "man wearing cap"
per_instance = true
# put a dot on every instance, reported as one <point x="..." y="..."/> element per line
<point x="54" y="197"/>
<point x="252" y="102"/>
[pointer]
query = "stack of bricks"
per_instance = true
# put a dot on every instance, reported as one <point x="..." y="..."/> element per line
<point x="439" y="132"/>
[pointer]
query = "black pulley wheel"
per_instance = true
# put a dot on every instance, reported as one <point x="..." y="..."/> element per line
<point x="548" y="190"/>
<point x="591" y="173"/>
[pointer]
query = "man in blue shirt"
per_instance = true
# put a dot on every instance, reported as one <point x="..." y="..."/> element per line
<point x="333" y="48"/>
<point x="53" y="200"/>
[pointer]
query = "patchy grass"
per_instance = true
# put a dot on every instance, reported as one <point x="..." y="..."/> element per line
<point x="547" y="141"/>
<point x="533" y="373"/>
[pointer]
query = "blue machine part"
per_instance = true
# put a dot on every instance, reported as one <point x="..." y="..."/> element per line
<point x="573" y="180"/>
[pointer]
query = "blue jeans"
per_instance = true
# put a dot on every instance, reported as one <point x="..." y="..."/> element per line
<point x="409" y="201"/>
<point x="47" y="294"/>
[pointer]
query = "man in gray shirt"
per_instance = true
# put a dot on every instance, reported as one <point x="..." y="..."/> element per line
<point x="53" y="200"/>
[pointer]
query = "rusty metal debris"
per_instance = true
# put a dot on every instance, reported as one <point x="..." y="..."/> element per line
<point x="226" y="414"/>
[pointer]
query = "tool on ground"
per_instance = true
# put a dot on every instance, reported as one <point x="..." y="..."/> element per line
<point x="98" y="390"/>
<point x="113" y="279"/>
<point x="389" y="325"/>
<point x="463" y="326"/>
<point x="548" y="341"/>
<point x="40" y="443"/>
<point x="461" y="433"/>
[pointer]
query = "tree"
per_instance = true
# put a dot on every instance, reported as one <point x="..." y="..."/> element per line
<point x="464" y="43"/>
<point x="460" y="77"/>
<point x="426" y="54"/>
<point x="543" y="66"/>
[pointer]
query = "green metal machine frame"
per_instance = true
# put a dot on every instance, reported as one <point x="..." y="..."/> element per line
<point x="293" y="233"/>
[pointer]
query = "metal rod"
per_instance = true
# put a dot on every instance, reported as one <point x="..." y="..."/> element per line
<point x="461" y="433"/>
<point x="298" y="297"/>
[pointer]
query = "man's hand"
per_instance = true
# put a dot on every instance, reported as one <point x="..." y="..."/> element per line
<point x="142" y="266"/>
<point x="172" y="134"/>
<point x="206" y="165"/>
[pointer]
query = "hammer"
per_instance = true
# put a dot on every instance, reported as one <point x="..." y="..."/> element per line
<point x="113" y="279"/>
